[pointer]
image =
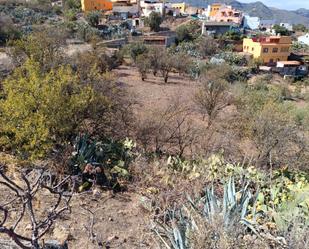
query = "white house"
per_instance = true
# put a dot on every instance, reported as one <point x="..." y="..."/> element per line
<point x="251" y="22"/>
<point x="56" y="3"/>
<point x="304" y="39"/>
<point x="267" y="24"/>
<point x="148" y="6"/>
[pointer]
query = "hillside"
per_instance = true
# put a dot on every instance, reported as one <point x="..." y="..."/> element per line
<point x="261" y="10"/>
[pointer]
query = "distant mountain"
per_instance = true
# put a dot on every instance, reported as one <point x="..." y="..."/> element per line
<point x="302" y="12"/>
<point x="260" y="10"/>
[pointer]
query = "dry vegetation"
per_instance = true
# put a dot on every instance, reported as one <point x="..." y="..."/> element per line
<point x="149" y="147"/>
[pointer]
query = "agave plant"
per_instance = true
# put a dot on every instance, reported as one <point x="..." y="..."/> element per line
<point x="233" y="208"/>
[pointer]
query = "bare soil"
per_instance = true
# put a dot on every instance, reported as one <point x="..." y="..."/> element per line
<point x="153" y="93"/>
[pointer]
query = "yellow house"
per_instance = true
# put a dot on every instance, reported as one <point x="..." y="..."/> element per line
<point x="89" y="5"/>
<point x="268" y="49"/>
<point x="214" y="8"/>
<point x="179" y="6"/>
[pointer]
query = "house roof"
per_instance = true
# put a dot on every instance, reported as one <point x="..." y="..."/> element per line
<point x="125" y="9"/>
<point x="219" y="24"/>
<point x="291" y="63"/>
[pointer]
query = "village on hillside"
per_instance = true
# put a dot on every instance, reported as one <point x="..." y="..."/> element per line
<point x="265" y="40"/>
<point x="153" y="124"/>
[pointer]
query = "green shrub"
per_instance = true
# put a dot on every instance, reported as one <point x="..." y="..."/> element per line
<point x="40" y="110"/>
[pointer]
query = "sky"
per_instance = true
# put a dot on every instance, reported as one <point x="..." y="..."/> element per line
<point x="283" y="4"/>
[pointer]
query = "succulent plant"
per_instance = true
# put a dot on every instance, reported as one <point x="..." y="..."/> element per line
<point x="233" y="208"/>
<point x="113" y="156"/>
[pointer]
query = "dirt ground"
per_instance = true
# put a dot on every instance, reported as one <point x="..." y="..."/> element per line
<point x="105" y="220"/>
<point x="119" y="222"/>
<point x="153" y="93"/>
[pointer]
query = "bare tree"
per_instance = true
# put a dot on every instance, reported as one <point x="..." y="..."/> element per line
<point x="22" y="198"/>
<point x="212" y="95"/>
<point x="207" y="46"/>
<point x="169" y="130"/>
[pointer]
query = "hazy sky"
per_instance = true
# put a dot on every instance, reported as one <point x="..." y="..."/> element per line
<point x="283" y="4"/>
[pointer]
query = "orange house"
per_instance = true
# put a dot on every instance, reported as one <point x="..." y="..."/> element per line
<point x="214" y="8"/>
<point x="89" y="5"/>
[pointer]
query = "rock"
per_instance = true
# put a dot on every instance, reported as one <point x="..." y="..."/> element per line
<point x="61" y="234"/>
<point x="54" y="244"/>
<point x="28" y="227"/>
<point x="7" y="244"/>
<point x="111" y="238"/>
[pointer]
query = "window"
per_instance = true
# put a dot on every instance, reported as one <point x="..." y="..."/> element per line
<point x="252" y="49"/>
<point x="285" y="49"/>
<point x="265" y="50"/>
<point x="275" y="50"/>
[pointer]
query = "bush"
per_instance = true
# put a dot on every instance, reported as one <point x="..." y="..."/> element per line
<point x="41" y="46"/>
<point x="207" y="46"/>
<point x="40" y="110"/>
<point x="233" y="35"/>
<point x="270" y="123"/>
<point x="8" y="31"/>
<point x="70" y="15"/>
<point x="188" y="32"/>
<point x="93" y="18"/>
<point x="233" y="58"/>
<point x="72" y="4"/>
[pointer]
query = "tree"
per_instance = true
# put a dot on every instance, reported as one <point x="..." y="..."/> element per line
<point x="88" y="61"/>
<point x="300" y="27"/>
<point x="182" y="62"/>
<point x="143" y="65"/>
<point x="281" y="30"/>
<point x="207" y="46"/>
<point x="188" y="32"/>
<point x="233" y="35"/>
<point x="166" y="64"/>
<point x="154" y="21"/>
<point x="212" y="95"/>
<point x="154" y="57"/>
<point x="136" y="49"/>
<point x="39" y="110"/>
<point x="93" y="18"/>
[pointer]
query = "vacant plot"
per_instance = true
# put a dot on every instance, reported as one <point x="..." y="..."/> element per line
<point x="153" y="93"/>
